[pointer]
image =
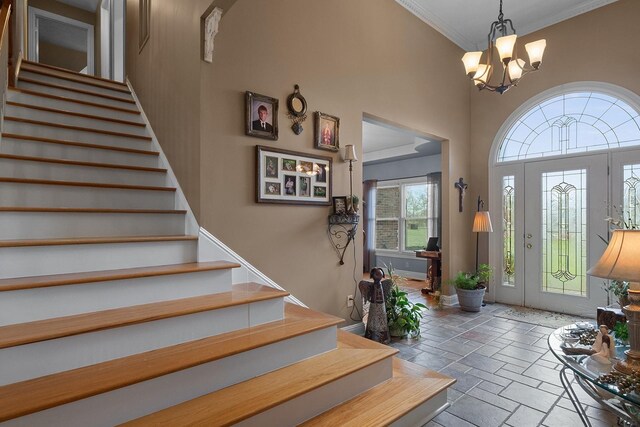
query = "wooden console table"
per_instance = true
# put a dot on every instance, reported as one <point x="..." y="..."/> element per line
<point x="434" y="270"/>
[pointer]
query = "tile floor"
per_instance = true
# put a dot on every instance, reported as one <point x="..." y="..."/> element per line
<point x="506" y="376"/>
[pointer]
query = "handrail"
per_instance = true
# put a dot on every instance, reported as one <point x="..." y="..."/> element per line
<point x="5" y="14"/>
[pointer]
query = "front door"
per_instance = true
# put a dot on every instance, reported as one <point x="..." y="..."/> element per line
<point x="565" y="206"/>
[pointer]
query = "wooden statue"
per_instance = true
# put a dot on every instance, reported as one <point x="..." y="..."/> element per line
<point x="375" y="293"/>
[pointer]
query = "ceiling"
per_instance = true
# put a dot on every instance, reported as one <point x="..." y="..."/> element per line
<point x="381" y="141"/>
<point x="88" y="5"/>
<point x="467" y="22"/>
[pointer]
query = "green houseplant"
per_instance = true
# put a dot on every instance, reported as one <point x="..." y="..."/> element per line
<point x="470" y="287"/>
<point x="403" y="316"/>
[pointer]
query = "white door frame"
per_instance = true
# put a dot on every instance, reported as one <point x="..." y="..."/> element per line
<point x="35" y="14"/>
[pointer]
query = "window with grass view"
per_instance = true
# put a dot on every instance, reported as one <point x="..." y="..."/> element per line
<point x="406" y="215"/>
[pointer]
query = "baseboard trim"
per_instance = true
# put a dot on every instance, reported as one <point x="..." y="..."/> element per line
<point x="449" y="300"/>
<point x="356" y="328"/>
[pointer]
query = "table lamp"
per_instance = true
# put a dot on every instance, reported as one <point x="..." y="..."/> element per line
<point x="481" y="224"/>
<point x="621" y="261"/>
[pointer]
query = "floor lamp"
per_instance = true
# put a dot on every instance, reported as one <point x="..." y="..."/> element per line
<point x="620" y="262"/>
<point x="481" y="224"/>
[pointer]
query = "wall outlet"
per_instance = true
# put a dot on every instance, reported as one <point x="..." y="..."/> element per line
<point x="349" y="300"/>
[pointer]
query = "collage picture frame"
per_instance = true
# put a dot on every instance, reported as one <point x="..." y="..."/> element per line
<point x="285" y="176"/>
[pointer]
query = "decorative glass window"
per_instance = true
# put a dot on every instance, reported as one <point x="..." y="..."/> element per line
<point x="564" y="232"/>
<point x="508" y="231"/>
<point x="630" y="205"/>
<point x="571" y="123"/>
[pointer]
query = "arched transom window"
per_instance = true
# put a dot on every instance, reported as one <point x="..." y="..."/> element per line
<point x="571" y="123"/>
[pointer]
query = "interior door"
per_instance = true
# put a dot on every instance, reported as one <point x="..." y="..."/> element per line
<point x="565" y="207"/>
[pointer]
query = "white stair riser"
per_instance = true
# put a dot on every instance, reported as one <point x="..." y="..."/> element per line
<point x="75" y="95"/>
<point x="425" y="412"/>
<point x="28" y="305"/>
<point x="25" y="147"/>
<point x="43" y="101"/>
<point x="72" y="84"/>
<point x="25" y="362"/>
<point x="39" y="195"/>
<point x="43" y="131"/>
<point x="61" y="172"/>
<point x="141" y="399"/>
<point x="60" y="259"/>
<point x="321" y="399"/>
<point x="58" y="225"/>
<point x="67" y="119"/>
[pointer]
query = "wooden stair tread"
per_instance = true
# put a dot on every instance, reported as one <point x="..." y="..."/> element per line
<point x="244" y="400"/>
<point x="53" y="67"/>
<point x="31" y="69"/>
<point x="75" y="114"/>
<point x="72" y="89"/>
<point x="77" y="101"/>
<point x="381" y="405"/>
<point x="18" y="283"/>
<point x="92" y="240"/>
<point x="79" y="144"/>
<point x="85" y="184"/>
<point x="42" y="330"/>
<point x="78" y="128"/>
<point x="80" y="163"/>
<point x="34" y="395"/>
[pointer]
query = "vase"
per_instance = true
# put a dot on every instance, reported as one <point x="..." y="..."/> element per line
<point x="470" y="299"/>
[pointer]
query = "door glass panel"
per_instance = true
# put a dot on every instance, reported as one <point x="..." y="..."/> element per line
<point x="630" y="205"/>
<point x="508" y="231"/>
<point x="564" y="219"/>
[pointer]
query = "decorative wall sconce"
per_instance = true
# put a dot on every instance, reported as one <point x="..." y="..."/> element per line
<point x="297" y="106"/>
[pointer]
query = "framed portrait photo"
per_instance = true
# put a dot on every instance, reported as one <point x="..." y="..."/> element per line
<point x="261" y="116"/>
<point x="290" y="177"/>
<point x="340" y="205"/>
<point x="327" y="132"/>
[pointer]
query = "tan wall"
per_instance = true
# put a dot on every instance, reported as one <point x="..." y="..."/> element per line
<point x="349" y="58"/>
<point x="597" y="46"/>
<point x="77" y="14"/>
<point x="59" y="56"/>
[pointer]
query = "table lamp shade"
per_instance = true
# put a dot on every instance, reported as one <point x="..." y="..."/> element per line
<point x="482" y="222"/>
<point x="621" y="259"/>
<point x="350" y="153"/>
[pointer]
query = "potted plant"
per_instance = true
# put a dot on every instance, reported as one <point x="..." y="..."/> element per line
<point x="353" y="204"/>
<point x="403" y="316"/>
<point x="470" y="287"/>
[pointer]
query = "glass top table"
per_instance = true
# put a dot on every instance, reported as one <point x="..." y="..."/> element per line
<point x="587" y="371"/>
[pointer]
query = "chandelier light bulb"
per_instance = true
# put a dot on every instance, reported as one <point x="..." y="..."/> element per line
<point x="482" y="75"/>
<point x="515" y="68"/>
<point x="535" y="50"/>
<point x="505" y="46"/>
<point x="471" y="61"/>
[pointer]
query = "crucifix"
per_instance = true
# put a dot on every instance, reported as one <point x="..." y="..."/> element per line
<point x="462" y="187"/>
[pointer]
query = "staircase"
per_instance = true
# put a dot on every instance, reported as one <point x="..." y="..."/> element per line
<point x="111" y="314"/>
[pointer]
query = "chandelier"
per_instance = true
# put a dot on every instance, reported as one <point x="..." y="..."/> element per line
<point x="503" y="36"/>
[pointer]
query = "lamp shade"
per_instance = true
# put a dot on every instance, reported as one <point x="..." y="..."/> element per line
<point x="621" y="259"/>
<point x="482" y="222"/>
<point x="505" y="45"/>
<point x="350" y="153"/>
<point x="516" y="66"/>
<point x="471" y="61"/>
<point x="536" y="50"/>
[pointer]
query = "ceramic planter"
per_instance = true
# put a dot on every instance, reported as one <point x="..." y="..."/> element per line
<point x="470" y="299"/>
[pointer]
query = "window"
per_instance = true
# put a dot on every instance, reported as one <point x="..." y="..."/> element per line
<point x="574" y="122"/>
<point x="406" y="214"/>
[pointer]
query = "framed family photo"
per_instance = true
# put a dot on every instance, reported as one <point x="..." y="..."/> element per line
<point x="261" y="116"/>
<point x="327" y="130"/>
<point x="285" y="176"/>
<point x="340" y="205"/>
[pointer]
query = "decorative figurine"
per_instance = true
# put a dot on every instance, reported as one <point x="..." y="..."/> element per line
<point x="602" y="346"/>
<point x="461" y="186"/>
<point x="375" y="293"/>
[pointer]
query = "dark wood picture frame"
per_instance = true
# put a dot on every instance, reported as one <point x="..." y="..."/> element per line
<point x="339" y="205"/>
<point x="254" y="104"/>
<point x="317" y="192"/>
<point x="326" y="132"/>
